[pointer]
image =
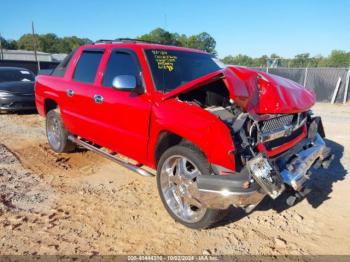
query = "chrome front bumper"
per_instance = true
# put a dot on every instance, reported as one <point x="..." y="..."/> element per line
<point x="220" y="192"/>
<point x="298" y="168"/>
<point x="212" y="195"/>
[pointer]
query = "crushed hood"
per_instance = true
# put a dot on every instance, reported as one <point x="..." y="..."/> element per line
<point x="255" y="91"/>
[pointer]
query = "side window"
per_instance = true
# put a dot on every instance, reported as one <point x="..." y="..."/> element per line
<point x="120" y="63"/>
<point x="61" y="68"/>
<point x="87" y="66"/>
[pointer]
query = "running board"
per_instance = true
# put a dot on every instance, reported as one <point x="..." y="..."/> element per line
<point x="127" y="165"/>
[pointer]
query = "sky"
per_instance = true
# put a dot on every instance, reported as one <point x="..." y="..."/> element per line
<point x="249" y="27"/>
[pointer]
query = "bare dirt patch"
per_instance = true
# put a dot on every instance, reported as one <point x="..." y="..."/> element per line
<point x="81" y="203"/>
<point x="20" y="189"/>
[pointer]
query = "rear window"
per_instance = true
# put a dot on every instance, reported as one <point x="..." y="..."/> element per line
<point x="87" y="66"/>
<point x="15" y="75"/>
<point x="61" y="68"/>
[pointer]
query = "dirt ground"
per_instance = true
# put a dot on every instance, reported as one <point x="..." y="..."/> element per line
<point x="81" y="203"/>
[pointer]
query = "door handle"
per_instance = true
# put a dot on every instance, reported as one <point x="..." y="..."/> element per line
<point x="70" y="92"/>
<point x="98" y="99"/>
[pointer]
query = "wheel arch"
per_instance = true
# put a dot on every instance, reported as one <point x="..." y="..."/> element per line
<point x="50" y="104"/>
<point x="167" y="139"/>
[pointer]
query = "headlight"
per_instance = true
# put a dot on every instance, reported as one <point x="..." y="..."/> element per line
<point x="5" y="94"/>
<point x="313" y="129"/>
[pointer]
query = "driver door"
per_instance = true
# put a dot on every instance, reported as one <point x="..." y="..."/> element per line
<point x="122" y="115"/>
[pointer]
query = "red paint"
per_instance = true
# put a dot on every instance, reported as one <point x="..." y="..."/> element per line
<point x="132" y="124"/>
<point x="270" y="94"/>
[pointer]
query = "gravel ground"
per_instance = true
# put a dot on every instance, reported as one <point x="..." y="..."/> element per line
<point x="81" y="203"/>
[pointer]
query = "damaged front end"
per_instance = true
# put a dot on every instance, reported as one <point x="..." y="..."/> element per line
<point x="267" y="167"/>
<point x="276" y="143"/>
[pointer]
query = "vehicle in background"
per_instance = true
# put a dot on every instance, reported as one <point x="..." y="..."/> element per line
<point x="217" y="136"/>
<point x="16" y="89"/>
<point x="46" y="71"/>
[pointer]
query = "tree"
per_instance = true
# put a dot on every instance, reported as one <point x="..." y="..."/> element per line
<point x="240" y="59"/>
<point x="8" y="44"/>
<point x="49" y="43"/>
<point x="337" y="58"/>
<point x="67" y="44"/>
<point x="261" y="61"/>
<point x="202" y="41"/>
<point x="300" y="60"/>
<point x="26" y="42"/>
<point x="160" y="36"/>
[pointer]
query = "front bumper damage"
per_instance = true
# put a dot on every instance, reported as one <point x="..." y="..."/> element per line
<point x="263" y="176"/>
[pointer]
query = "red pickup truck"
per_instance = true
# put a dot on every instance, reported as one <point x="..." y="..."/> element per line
<point x="217" y="135"/>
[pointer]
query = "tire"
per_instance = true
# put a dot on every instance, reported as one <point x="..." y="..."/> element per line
<point x="203" y="217"/>
<point x="56" y="133"/>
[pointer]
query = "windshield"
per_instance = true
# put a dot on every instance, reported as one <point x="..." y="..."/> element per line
<point x="12" y="75"/>
<point x="172" y="68"/>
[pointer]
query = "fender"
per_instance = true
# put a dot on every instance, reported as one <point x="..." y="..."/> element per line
<point x="198" y="126"/>
<point x="42" y="93"/>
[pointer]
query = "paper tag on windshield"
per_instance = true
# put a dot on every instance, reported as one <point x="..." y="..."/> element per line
<point x="25" y="72"/>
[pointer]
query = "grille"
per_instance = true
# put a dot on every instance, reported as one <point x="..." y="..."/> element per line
<point x="277" y="123"/>
<point x="282" y="140"/>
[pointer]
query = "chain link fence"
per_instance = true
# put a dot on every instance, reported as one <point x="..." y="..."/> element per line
<point x="322" y="81"/>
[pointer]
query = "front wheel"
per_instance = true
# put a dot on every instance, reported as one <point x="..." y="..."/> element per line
<point x="56" y="133"/>
<point x="178" y="168"/>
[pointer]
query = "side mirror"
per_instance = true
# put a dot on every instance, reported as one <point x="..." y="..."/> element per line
<point x="124" y="82"/>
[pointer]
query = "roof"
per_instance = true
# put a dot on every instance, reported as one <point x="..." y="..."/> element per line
<point x="140" y="44"/>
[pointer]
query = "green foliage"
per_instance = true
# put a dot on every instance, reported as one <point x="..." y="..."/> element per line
<point x="301" y="60"/>
<point x="202" y="41"/>
<point x="337" y="58"/>
<point x="240" y="59"/>
<point x="50" y="43"/>
<point x="8" y="44"/>
<point x="26" y="42"/>
<point x="160" y="36"/>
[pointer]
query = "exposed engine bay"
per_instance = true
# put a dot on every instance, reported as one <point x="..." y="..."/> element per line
<point x="275" y="150"/>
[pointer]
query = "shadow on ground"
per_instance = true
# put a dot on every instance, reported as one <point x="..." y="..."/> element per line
<point x="21" y="112"/>
<point x="320" y="183"/>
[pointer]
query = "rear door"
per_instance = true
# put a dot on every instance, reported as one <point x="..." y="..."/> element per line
<point x="123" y="116"/>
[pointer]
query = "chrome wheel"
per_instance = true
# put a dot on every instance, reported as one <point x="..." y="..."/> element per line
<point x="178" y="181"/>
<point x="54" y="132"/>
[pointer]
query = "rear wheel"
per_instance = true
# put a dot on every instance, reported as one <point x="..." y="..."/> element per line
<point x="56" y="133"/>
<point x="178" y="168"/>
